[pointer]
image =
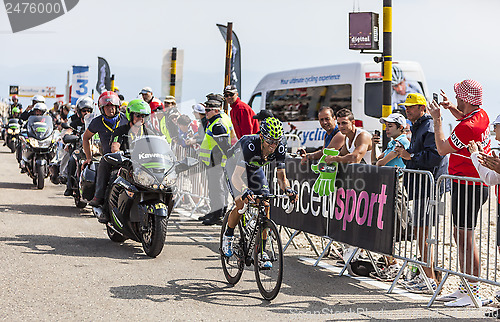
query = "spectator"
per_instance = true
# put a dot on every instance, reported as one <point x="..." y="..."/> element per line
<point x="169" y="102"/>
<point x="421" y="155"/>
<point x="188" y="131"/>
<point x="334" y="139"/>
<point x="241" y="113"/>
<point x="357" y="142"/>
<point x="466" y="200"/>
<point x="262" y="115"/>
<point x="199" y="114"/>
<point x="148" y="97"/>
<point x="395" y="125"/>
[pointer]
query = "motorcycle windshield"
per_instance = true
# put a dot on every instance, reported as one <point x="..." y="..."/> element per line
<point x="14" y="123"/>
<point x="40" y="127"/>
<point x="152" y="153"/>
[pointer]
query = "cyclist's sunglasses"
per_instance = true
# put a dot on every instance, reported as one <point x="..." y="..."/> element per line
<point x="271" y="141"/>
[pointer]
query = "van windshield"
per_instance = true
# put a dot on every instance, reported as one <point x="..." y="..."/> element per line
<point x="303" y="104"/>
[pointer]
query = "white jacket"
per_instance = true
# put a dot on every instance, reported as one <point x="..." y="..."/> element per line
<point x="489" y="176"/>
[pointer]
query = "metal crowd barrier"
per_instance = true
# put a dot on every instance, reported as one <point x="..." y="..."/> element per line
<point x="414" y="217"/>
<point x="483" y="239"/>
<point x="192" y="185"/>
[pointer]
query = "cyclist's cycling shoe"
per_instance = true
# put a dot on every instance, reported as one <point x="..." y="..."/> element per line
<point x="265" y="261"/>
<point x="227" y="245"/>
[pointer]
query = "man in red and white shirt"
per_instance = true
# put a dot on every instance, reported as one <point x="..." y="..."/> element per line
<point x="467" y="199"/>
<point x="241" y="113"/>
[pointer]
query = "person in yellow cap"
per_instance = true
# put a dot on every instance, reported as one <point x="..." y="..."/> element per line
<point x="421" y="155"/>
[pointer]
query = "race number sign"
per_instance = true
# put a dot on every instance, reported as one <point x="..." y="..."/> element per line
<point x="80" y="83"/>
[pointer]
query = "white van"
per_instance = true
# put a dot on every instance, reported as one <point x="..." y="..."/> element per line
<point x="295" y="96"/>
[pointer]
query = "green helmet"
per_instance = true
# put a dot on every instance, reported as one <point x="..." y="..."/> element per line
<point x="137" y="106"/>
<point x="16" y="110"/>
<point x="271" y="128"/>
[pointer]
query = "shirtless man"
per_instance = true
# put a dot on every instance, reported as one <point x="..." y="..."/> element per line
<point x="358" y="142"/>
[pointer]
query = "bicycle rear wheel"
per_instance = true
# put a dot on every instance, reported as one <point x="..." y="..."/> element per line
<point x="232" y="266"/>
<point x="268" y="278"/>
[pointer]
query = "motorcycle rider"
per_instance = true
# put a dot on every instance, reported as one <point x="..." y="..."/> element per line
<point x="105" y="124"/>
<point x="137" y="110"/>
<point x="36" y="99"/>
<point x="14" y="114"/>
<point x="37" y="109"/>
<point x="15" y="104"/>
<point x="84" y="106"/>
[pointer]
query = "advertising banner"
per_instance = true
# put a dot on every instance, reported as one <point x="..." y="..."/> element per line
<point x="236" y="58"/>
<point x="30" y="91"/>
<point x="80" y="83"/>
<point x="103" y="76"/>
<point x="356" y="207"/>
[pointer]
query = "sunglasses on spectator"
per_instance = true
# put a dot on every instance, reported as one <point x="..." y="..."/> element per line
<point x="228" y="94"/>
<point x="271" y="141"/>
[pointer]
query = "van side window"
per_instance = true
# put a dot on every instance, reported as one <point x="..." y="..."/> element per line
<point x="373" y="99"/>
<point x="303" y="104"/>
<point x="256" y="102"/>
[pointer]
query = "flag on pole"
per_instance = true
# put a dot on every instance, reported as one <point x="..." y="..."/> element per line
<point x="103" y="76"/>
<point x="236" y="58"/>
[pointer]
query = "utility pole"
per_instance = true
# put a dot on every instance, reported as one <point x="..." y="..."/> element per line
<point x="387" y="67"/>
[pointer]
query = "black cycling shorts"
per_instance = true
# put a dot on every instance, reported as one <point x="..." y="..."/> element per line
<point x="466" y="201"/>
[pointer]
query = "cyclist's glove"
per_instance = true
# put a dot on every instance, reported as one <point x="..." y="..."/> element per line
<point x="247" y="193"/>
<point x="291" y="193"/>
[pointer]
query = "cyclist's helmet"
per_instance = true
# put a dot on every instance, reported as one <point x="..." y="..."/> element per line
<point x="106" y="98"/>
<point x="37" y="99"/>
<point x="137" y="106"/>
<point x="40" y="107"/>
<point x="397" y="75"/>
<point x="156" y="105"/>
<point x="84" y="103"/>
<point x="271" y="128"/>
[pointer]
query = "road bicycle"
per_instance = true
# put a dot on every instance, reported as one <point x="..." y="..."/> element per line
<point x="255" y="236"/>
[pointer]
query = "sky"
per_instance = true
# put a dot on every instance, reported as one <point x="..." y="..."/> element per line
<point x="452" y="40"/>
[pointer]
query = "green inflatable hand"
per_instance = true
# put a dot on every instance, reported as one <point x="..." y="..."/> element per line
<point x="325" y="184"/>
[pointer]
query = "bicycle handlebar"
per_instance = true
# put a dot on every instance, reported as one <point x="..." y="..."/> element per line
<point x="266" y="197"/>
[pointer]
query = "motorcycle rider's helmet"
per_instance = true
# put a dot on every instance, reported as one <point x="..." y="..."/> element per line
<point x="137" y="106"/>
<point x="271" y="128"/>
<point x="37" y="99"/>
<point x="107" y="98"/>
<point x="84" y="102"/>
<point x="40" y="107"/>
<point x="156" y="105"/>
<point x="14" y="97"/>
<point x="397" y="75"/>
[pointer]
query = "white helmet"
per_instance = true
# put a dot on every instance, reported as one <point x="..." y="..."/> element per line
<point x="38" y="99"/>
<point x="40" y="107"/>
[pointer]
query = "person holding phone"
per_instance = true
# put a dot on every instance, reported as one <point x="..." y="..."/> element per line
<point x="395" y="125"/>
<point x="333" y="138"/>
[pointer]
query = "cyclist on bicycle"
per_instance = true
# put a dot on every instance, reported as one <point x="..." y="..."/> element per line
<point x="250" y="154"/>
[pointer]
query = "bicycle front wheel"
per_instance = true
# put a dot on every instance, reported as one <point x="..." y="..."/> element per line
<point x="268" y="260"/>
<point x="232" y="266"/>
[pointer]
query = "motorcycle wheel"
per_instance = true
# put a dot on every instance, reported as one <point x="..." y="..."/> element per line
<point x="153" y="238"/>
<point x="12" y="146"/>
<point x="114" y="236"/>
<point x="40" y="178"/>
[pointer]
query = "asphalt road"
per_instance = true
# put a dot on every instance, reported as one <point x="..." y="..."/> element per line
<point x="57" y="263"/>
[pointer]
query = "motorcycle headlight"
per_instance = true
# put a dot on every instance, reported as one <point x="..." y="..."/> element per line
<point x="33" y="142"/>
<point x="46" y="143"/>
<point x="143" y="178"/>
<point x="16" y="131"/>
<point x="170" y="179"/>
<point x="10" y="131"/>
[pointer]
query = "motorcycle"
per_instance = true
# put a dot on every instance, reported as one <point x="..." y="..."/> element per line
<point x="139" y="201"/>
<point x="12" y="133"/>
<point x="38" y="148"/>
